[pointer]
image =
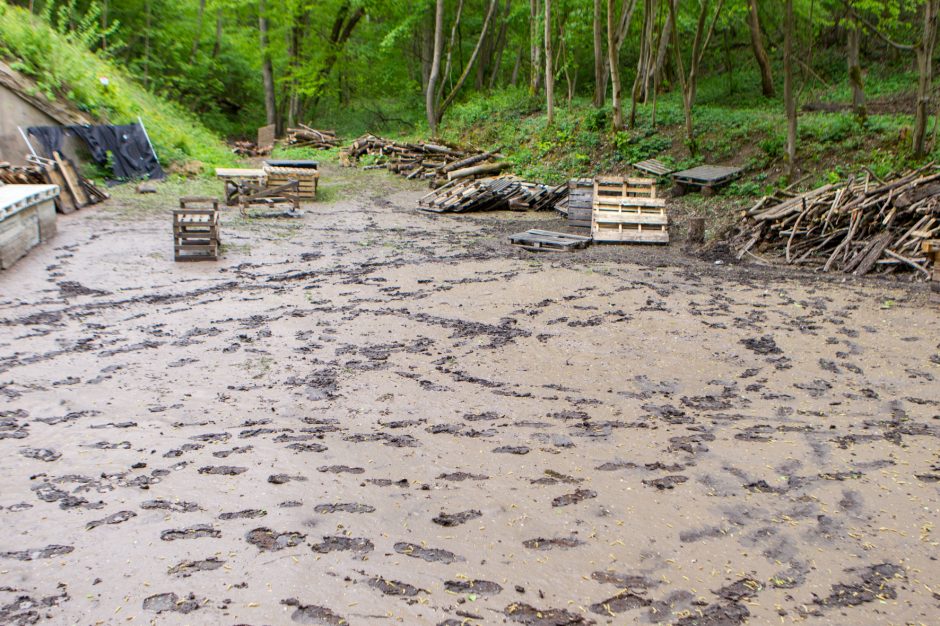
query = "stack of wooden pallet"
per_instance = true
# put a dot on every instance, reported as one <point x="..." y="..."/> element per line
<point x="491" y="194"/>
<point x="580" y="202"/>
<point x="76" y="191"/>
<point x="306" y="137"/>
<point x="306" y="173"/>
<point x="422" y="161"/>
<point x="196" y="230"/>
<point x="627" y="210"/>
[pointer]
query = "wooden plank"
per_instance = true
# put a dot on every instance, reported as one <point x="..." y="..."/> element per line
<point x="630" y="202"/>
<point x="71" y="183"/>
<point x="651" y="220"/>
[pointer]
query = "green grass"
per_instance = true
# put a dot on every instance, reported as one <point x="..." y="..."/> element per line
<point x="64" y="69"/>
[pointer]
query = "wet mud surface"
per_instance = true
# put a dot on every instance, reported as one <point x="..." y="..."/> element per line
<point x="374" y="416"/>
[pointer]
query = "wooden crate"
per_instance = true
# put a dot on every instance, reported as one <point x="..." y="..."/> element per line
<point x="580" y="202"/>
<point x="308" y="179"/>
<point x="196" y="234"/>
<point x="627" y="210"/>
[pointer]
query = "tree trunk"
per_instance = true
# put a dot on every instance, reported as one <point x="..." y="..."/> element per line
<point x="514" y="79"/>
<point x="925" y="52"/>
<point x="535" y="49"/>
<point x="473" y="57"/>
<point x="343" y="27"/>
<point x="661" y="54"/>
<point x="104" y="24"/>
<point x="148" y="9"/>
<point x="600" y="69"/>
<point x="760" y="54"/>
<point x="198" y="37"/>
<point x="217" y="46"/>
<point x="643" y="63"/>
<point x="614" y="66"/>
<point x="500" y="46"/>
<point x="853" y="39"/>
<point x="267" y="68"/>
<point x="549" y="70"/>
<point x="788" y="93"/>
<point x="431" y="95"/>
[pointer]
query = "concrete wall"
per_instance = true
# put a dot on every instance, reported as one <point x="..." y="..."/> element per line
<point x="24" y="230"/>
<point x="14" y="111"/>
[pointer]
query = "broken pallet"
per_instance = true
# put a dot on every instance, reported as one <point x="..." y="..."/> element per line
<point x="546" y="240"/>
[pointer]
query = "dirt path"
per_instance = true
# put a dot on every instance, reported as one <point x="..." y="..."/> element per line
<point x="374" y="416"/>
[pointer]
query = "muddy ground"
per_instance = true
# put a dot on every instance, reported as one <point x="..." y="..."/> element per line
<point x="373" y="416"/>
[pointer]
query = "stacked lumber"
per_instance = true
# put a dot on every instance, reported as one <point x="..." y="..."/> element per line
<point x="859" y="226"/>
<point x="196" y="229"/>
<point x="306" y="137"/>
<point x="76" y="191"/>
<point x="422" y="161"/>
<point x="503" y="193"/>
<point x="249" y="149"/>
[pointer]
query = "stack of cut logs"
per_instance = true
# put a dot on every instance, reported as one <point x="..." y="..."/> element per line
<point x="75" y="191"/>
<point x="464" y="195"/>
<point x="862" y="225"/>
<point x="422" y="161"/>
<point x="249" y="149"/>
<point x="306" y="137"/>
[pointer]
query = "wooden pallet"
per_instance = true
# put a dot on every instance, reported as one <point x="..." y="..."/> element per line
<point x="196" y="235"/>
<point x="654" y="167"/>
<point x="308" y="179"/>
<point x="235" y="180"/>
<point x="284" y="196"/>
<point x="580" y="202"/>
<point x="546" y="240"/>
<point x="707" y="178"/>
<point x="627" y="210"/>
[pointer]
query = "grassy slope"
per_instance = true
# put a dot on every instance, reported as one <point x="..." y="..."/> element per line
<point x="64" y="69"/>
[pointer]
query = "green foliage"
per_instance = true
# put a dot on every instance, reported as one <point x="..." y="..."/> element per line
<point x="64" y="69"/>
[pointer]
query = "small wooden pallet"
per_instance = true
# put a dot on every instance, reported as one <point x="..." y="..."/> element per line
<point x="546" y="240"/>
<point x="196" y="229"/>
<point x="707" y="178"/>
<point x="580" y="202"/>
<point x="235" y="181"/>
<point x="626" y="210"/>
<point x="304" y="172"/>
<point x="654" y="167"/>
<point x="270" y="197"/>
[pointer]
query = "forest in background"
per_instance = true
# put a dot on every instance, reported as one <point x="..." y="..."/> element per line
<point x="797" y="84"/>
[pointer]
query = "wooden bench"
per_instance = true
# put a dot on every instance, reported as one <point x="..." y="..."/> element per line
<point x="196" y="234"/>
<point x="627" y="210"/>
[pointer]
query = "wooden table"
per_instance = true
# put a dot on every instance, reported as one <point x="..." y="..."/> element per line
<point x="235" y="180"/>
<point x="706" y="178"/>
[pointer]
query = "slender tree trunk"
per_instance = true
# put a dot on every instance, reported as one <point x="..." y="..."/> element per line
<point x="853" y="39"/>
<point x="600" y="69"/>
<point x="535" y="48"/>
<point x="760" y="54"/>
<point x="431" y="95"/>
<point x="104" y="24"/>
<point x="642" y="68"/>
<point x="549" y="70"/>
<point x="514" y="79"/>
<point x="198" y="37"/>
<point x="148" y="22"/>
<point x="217" y="46"/>
<point x="661" y="54"/>
<point x="788" y="88"/>
<point x="473" y="57"/>
<point x="500" y="45"/>
<point x="925" y="52"/>
<point x="267" y="68"/>
<point x="612" y="60"/>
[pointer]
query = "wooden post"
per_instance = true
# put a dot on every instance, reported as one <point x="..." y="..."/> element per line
<point x="696" y="230"/>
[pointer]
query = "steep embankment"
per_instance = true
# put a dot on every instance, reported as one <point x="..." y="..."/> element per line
<point x="65" y="70"/>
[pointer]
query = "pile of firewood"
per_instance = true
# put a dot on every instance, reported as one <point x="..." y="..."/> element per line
<point x="75" y="191"/>
<point x="249" y="149"/>
<point x="423" y="161"/>
<point x="464" y="195"/>
<point x="306" y="137"/>
<point x="862" y="225"/>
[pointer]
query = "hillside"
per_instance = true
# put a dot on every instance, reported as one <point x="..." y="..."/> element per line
<point x="64" y="70"/>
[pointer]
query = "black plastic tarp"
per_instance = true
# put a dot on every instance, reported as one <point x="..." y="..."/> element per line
<point x="131" y="154"/>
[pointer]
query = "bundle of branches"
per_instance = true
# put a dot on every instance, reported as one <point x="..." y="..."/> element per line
<point x="249" y="149"/>
<point x="464" y="195"/>
<point x="22" y="175"/>
<point x="862" y="225"/>
<point x="306" y="137"/>
<point x="424" y="161"/>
